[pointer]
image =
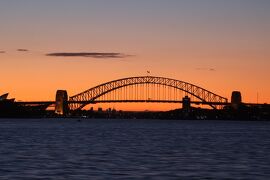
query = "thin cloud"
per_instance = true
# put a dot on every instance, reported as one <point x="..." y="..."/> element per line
<point x="88" y="54"/>
<point x="22" y="50"/>
<point x="2" y="52"/>
<point x="205" y="69"/>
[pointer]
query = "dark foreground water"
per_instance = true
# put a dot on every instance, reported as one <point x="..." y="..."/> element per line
<point x="133" y="149"/>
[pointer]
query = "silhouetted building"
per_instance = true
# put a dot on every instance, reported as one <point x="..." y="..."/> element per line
<point x="99" y="109"/>
<point x="3" y="97"/>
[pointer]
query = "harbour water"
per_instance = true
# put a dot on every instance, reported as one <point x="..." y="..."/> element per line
<point x="133" y="149"/>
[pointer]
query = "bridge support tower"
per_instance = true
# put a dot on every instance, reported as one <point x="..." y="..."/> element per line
<point x="236" y="99"/>
<point x="61" y="103"/>
<point x="186" y="103"/>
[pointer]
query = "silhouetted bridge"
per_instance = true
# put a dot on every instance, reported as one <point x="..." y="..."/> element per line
<point x="143" y="89"/>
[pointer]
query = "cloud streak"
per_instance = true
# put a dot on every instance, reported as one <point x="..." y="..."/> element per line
<point x="22" y="50"/>
<point x="88" y="54"/>
<point x="2" y="52"/>
<point x="205" y="69"/>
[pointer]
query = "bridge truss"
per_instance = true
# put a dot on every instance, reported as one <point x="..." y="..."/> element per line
<point x="145" y="89"/>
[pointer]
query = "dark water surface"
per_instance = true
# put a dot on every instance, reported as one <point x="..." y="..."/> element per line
<point x="133" y="149"/>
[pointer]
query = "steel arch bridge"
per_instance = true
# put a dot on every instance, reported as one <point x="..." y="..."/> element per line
<point x="145" y="89"/>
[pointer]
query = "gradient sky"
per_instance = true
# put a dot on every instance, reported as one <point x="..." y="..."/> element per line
<point x="181" y="39"/>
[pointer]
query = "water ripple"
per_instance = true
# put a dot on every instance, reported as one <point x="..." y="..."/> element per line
<point x="129" y="149"/>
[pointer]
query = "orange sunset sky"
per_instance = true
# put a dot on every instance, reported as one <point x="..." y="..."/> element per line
<point x="220" y="45"/>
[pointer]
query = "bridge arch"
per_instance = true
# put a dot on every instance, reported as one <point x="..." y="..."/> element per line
<point x="89" y="96"/>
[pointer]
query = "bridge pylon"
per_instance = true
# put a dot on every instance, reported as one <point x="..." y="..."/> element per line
<point x="186" y="103"/>
<point x="61" y="103"/>
<point x="236" y="99"/>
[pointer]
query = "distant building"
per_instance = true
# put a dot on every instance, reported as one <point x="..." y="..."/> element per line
<point x="3" y="97"/>
<point x="99" y="109"/>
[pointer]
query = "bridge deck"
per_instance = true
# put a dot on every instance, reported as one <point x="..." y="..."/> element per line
<point x="130" y="101"/>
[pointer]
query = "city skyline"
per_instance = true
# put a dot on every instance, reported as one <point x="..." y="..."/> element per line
<point x="219" y="45"/>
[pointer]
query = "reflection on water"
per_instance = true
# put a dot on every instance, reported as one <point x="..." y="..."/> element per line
<point x="106" y="149"/>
